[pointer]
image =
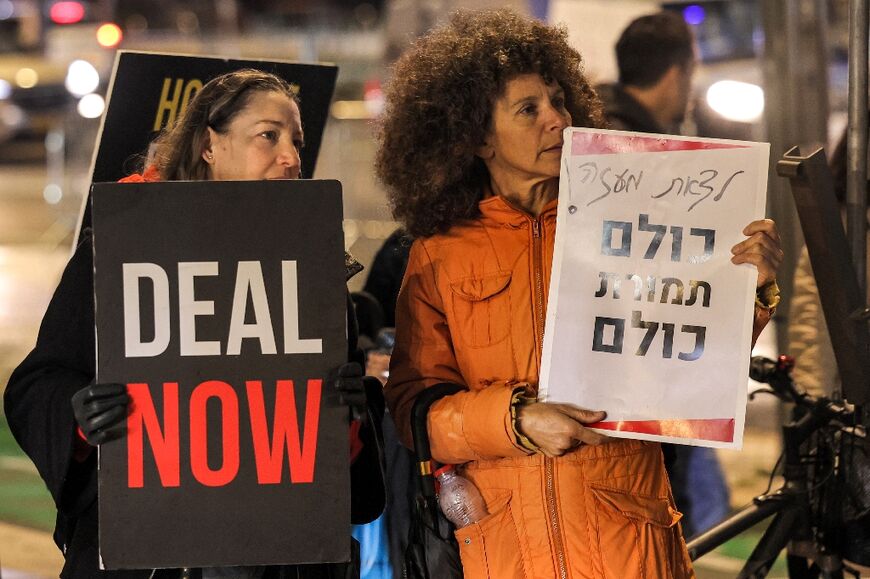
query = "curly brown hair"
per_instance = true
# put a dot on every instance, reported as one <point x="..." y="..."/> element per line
<point x="439" y="110"/>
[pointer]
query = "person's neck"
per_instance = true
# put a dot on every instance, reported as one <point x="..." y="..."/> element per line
<point x="530" y="197"/>
<point x="655" y="101"/>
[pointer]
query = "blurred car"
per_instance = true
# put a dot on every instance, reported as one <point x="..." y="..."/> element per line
<point x="44" y="71"/>
<point x="31" y="86"/>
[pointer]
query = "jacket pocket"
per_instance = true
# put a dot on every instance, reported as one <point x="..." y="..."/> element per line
<point x="481" y="309"/>
<point x="638" y="536"/>
<point x="490" y="548"/>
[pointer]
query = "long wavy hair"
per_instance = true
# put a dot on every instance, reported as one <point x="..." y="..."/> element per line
<point x="178" y="149"/>
<point x="439" y="110"/>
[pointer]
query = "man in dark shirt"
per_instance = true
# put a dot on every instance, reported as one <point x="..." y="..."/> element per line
<point x="656" y="59"/>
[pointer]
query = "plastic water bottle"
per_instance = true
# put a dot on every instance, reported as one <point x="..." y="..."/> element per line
<point x="459" y="499"/>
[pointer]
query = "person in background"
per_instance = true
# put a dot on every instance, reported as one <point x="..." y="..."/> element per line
<point x="243" y="125"/>
<point x="655" y="56"/>
<point x="382" y="284"/>
<point x="387" y="271"/>
<point x="470" y="148"/>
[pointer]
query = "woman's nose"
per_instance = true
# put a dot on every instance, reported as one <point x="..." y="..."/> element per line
<point x="557" y="119"/>
<point x="288" y="157"/>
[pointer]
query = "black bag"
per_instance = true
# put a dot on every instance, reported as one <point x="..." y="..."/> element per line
<point x="432" y="551"/>
<point x="855" y="500"/>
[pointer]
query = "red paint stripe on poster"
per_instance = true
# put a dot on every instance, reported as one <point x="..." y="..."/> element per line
<point x="601" y="144"/>
<point x="718" y="429"/>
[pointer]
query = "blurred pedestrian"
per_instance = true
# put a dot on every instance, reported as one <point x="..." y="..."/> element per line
<point x="470" y="151"/>
<point x="655" y="56"/>
<point x="383" y="283"/>
<point x="387" y="271"/>
<point x="244" y="125"/>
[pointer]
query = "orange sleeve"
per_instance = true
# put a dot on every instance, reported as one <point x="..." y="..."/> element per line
<point x="469" y="425"/>
<point x="759" y="321"/>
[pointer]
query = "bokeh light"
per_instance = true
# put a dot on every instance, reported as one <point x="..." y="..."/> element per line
<point x="82" y="78"/>
<point x="7" y="9"/>
<point x="52" y="193"/>
<point x="91" y="106"/>
<point x="109" y="35"/>
<point x="694" y="14"/>
<point x="26" y="78"/>
<point x="66" y="12"/>
<point x="736" y="101"/>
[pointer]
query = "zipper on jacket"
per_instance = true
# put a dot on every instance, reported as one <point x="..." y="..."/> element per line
<point x="549" y="463"/>
<point x="538" y="262"/>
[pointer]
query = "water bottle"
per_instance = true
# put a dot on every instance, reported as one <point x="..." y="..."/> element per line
<point x="459" y="499"/>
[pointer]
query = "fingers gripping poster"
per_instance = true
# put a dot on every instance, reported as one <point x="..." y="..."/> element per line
<point x="648" y="319"/>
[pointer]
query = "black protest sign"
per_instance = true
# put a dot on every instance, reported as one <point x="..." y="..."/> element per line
<point x="222" y="307"/>
<point x="149" y="91"/>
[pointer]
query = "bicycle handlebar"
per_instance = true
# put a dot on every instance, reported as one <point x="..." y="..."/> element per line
<point x="778" y="375"/>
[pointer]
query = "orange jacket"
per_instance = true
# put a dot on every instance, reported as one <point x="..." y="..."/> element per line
<point x="471" y="311"/>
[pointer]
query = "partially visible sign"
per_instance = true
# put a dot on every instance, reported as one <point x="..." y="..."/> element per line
<point x="148" y="91"/>
<point x="647" y="318"/>
<point x="221" y="306"/>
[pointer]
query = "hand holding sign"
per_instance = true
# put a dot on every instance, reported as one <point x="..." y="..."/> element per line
<point x="558" y="428"/>
<point x="100" y="410"/>
<point x="763" y="249"/>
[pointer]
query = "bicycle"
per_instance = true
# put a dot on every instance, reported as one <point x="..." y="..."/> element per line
<point x="825" y="455"/>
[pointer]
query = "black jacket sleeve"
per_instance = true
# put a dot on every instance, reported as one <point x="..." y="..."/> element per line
<point x="37" y="400"/>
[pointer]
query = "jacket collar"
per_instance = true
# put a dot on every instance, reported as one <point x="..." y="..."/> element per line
<point x="620" y="106"/>
<point x="500" y="210"/>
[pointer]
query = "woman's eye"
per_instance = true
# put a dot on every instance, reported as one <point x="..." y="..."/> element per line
<point x="270" y="135"/>
<point x="559" y="102"/>
<point x="298" y="144"/>
<point x="527" y="110"/>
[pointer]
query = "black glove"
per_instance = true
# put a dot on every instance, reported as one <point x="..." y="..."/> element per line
<point x="348" y="379"/>
<point x="100" y="410"/>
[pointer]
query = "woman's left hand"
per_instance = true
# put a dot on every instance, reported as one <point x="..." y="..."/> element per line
<point x="763" y="249"/>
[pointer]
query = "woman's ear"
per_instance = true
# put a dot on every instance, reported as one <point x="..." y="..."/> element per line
<point x="207" y="152"/>
<point x="485" y="151"/>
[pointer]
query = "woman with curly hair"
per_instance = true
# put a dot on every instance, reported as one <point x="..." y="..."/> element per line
<point x="470" y="150"/>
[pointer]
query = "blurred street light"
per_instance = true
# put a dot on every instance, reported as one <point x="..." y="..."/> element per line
<point x="81" y="78"/>
<point x="91" y="106"/>
<point x="66" y="12"/>
<point x="109" y="35"/>
<point x="26" y="78"/>
<point x="736" y="101"/>
<point x="7" y="9"/>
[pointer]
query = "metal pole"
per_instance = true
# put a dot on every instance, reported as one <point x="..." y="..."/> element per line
<point x="856" y="177"/>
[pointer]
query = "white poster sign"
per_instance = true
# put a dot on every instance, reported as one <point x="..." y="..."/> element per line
<point x="647" y="318"/>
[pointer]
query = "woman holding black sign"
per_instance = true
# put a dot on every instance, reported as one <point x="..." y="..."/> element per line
<point x="471" y="147"/>
<point x="243" y="125"/>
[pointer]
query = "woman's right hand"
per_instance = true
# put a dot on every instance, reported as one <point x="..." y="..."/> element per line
<point x="558" y="428"/>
